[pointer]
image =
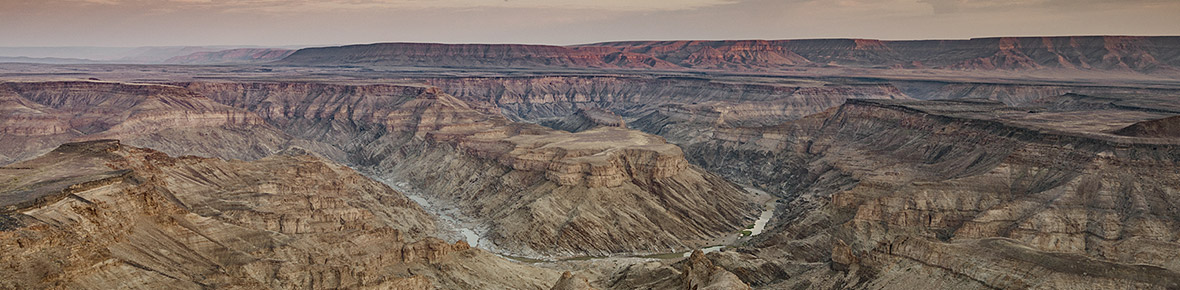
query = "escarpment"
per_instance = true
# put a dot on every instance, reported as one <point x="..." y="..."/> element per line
<point x="908" y="193"/>
<point x="1073" y="53"/>
<point x="535" y="98"/>
<point x="542" y="192"/>
<point x="39" y="116"/>
<point x="290" y="220"/>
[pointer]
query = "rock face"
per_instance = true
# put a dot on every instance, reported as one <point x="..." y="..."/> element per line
<point x="535" y="98"/>
<point x="542" y="192"/>
<point x="694" y="272"/>
<point x="570" y="282"/>
<point x="1162" y="128"/>
<point x="290" y="220"/>
<point x="232" y="56"/>
<point x="1103" y="53"/>
<point x="36" y="117"/>
<point x="586" y="119"/>
<point x="970" y="194"/>
<point x="467" y="55"/>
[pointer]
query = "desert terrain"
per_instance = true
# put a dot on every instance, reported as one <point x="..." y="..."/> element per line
<point x="992" y="163"/>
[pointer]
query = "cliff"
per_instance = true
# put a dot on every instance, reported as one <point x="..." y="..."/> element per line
<point x="1149" y="55"/>
<point x="965" y="194"/>
<point x="534" y="98"/>
<point x="542" y="192"/>
<point x="278" y="222"/>
<point x="38" y="116"/>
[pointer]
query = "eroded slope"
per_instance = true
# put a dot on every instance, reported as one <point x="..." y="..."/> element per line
<point x="290" y="220"/>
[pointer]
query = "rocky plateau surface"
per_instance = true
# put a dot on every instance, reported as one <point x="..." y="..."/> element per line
<point x="1153" y="55"/>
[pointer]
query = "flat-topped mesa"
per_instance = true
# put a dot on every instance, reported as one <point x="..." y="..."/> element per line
<point x="1072" y="53"/>
<point x="539" y="98"/>
<point x="603" y="157"/>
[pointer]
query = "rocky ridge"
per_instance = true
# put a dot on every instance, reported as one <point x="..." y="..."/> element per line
<point x="191" y="222"/>
<point x="541" y="192"/>
<point x="881" y="190"/>
<point x="535" y="98"/>
<point x="39" y="116"/>
<point x="234" y="56"/>
<point x="1160" y="128"/>
<point x="1149" y="55"/>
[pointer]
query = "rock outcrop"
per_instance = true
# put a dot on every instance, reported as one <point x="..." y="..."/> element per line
<point x="586" y="119"/>
<point x="694" y="272"/>
<point x="1160" y="128"/>
<point x="542" y="192"/>
<point x="290" y="220"/>
<point x="36" y="117"/>
<point x="536" y="98"/>
<point x="956" y="193"/>
<point x="569" y="281"/>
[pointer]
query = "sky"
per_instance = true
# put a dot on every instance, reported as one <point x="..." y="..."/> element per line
<point x="127" y="23"/>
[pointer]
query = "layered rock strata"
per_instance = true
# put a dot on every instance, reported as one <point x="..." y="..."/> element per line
<point x="1074" y="53"/>
<point x="36" y="117"/>
<point x="969" y="194"/>
<point x="586" y="119"/>
<point x="541" y="192"/>
<point x="535" y="98"/>
<point x="290" y="220"/>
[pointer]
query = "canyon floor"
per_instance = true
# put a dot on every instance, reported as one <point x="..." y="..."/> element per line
<point x="291" y="176"/>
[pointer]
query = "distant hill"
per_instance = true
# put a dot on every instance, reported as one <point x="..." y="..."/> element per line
<point x="240" y="55"/>
<point x="1100" y="53"/>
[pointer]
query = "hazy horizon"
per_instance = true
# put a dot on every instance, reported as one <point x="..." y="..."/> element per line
<point x="140" y="23"/>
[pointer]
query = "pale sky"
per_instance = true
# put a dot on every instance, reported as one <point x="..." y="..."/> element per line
<point x="323" y="22"/>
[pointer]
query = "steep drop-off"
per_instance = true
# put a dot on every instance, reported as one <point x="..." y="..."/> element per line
<point x="36" y="117"/>
<point x="541" y="192"/>
<point x="533" y="98"/>
<point x="286" y="221"/>
<point x="963" y="194"/>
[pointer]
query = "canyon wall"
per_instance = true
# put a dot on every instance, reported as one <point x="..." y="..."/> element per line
<point x="39" y="116"/>
<point x="286" y="221"/>
<point x="542" y="192"/>
<point x="953" y="193"/>
<point x="533" y="98"/>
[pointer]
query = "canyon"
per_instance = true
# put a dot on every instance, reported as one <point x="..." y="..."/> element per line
<point x="1010" y="163"/>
